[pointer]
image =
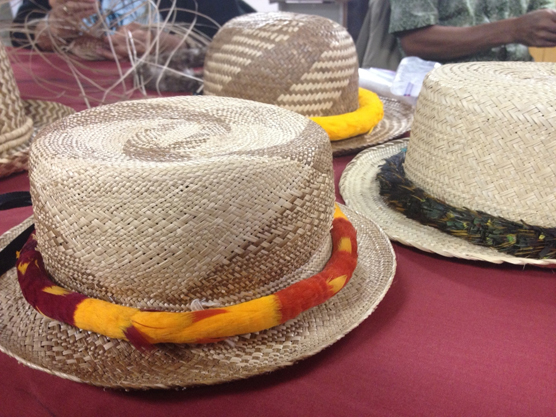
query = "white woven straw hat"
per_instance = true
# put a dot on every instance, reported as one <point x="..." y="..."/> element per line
<point x="303" y="63"/>
<point x="483" y="149"/>
<point x="170" y="204"/>
<point x="20" y="120"/>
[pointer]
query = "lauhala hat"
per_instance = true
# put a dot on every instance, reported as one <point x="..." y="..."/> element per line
<point x="477" y="178"/>
<point x="307" y="64"/>
<point x="20" y="120"/>
<point x="185" y="212"/>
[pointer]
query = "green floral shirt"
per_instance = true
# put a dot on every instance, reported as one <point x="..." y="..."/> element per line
<point x="414" y="14"/>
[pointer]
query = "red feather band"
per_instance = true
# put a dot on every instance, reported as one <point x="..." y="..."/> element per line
<point x="145" y="328"/>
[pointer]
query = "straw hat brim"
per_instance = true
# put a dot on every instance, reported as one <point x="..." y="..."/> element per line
<point x="360" y="190"/>
<point x="83" y="356"/>
<point x="397" y="120"/>
<point x="42" y="113"/>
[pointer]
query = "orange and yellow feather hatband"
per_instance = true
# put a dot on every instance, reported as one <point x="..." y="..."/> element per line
<point x="359" y="122"/>
<point x="146" y="328"/>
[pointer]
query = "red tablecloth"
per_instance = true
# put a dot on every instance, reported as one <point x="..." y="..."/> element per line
<point x="451" y="338"/>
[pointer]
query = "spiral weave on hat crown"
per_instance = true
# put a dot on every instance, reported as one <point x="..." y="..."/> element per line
<point x="304" y="63"/>
<point x="15" y="126"/>
<point x="483" y="138"/>
<point x="157" y="203"/>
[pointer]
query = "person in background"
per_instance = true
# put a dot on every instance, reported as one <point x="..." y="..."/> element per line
<point x="376" y="47"/>
<point x="45" y="21"/>
<point x="468" y="30"/>
<point x="67" y="20"/>
<point x="204" y="13"/>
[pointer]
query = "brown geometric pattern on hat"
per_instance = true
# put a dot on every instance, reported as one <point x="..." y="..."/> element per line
<point x="15" y="127"/>
<point x="45" y="112"/>
<point x="307" y="64"/>
<point x="162" y="230"/>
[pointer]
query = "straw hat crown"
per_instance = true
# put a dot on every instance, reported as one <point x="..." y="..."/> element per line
<point x="15" y="126"/>
<point x="307" y="64"/>
<point x="484" y="138"/>
<point x="161" y="202"/>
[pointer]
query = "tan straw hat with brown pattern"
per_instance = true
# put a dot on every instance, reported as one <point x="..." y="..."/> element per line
<point x="186" y="207"/>
<point x="478" y="178"/>
<point x="20" y="120"/>
<point x="303" y="63"/>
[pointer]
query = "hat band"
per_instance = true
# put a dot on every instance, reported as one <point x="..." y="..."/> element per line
<point x="145" y="328"/>
<point x="477" y="227"/>
<point x="358" y="122"/>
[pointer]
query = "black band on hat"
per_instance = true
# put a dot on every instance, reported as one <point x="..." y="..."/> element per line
<point x="477" y="227"/>
<point x="8" y="254"/>
<point x="15" y="200"/>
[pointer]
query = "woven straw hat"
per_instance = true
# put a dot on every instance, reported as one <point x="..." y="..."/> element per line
<point x="483" y="139"/>
<point x="304" y="63"/>
<point x="20" y="120"/>
<point x="166" y="203"/>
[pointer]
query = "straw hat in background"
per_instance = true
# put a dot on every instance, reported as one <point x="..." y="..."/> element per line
<point x="20" y="120"/>
<point x="480" y="165"/>
<point x="307" y="64"/>
<point x="165" y="206"/>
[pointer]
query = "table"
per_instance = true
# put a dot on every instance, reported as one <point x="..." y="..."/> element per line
<point x="48" y="77"/>
<point x="450" y="338"/>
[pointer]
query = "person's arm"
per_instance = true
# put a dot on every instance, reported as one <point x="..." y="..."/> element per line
<point x="443" y="43"/>
<point x="63" y="21"/>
